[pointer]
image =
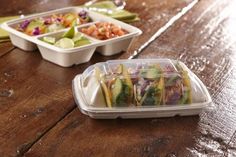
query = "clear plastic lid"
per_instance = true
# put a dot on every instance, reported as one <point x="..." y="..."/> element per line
<point x="141" y="83"/>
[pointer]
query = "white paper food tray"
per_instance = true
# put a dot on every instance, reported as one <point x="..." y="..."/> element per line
<point x="66" y="57"/>
<point x="98" y="112"/>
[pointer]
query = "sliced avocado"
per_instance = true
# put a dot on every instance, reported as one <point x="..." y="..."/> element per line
<point x="120" y="93"/>
<point x="128" y="82"/>
<point x="124" y="98"/>
<point x="161" y="88"/>
<point x="154" y="94"/>
<point x="150" y="73"/>
<point x="116" y="90"/>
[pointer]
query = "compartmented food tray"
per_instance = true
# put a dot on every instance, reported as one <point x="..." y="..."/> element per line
<point x="27" y="33"/>
<point x="141" y="88"/>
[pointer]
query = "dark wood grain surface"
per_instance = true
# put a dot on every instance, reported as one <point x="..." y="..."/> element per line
<point x="5" y="48"/>
<point x="38" y="116"/>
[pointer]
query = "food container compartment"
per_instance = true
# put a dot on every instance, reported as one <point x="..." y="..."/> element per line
<point x="25" y="41"/>
<point x="141" y="88"/>
<point x="113" y="45"/>
<point x="21" y="43"/>
<point x="65" y="57"/>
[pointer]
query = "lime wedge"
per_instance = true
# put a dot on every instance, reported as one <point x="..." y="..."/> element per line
<point x="78" y="36"/>
<point x="50" y="40"/>
<point x="65" y="43"/>
<point x="83" y="41"/>
<point x="70" y="33"/>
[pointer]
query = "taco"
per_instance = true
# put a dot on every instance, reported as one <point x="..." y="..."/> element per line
<point x="148" y="91"/>
<point x="118" y="90"/>
<point x="177" y="87"/>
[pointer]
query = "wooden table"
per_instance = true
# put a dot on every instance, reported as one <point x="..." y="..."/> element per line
<point x="38" y="116"/>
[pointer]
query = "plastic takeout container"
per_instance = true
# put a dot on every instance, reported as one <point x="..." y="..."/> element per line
<point x="141" y="88"/>
<point x="68" y="57"/>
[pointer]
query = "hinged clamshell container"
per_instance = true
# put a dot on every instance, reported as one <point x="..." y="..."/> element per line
<point x="140" y="88"/>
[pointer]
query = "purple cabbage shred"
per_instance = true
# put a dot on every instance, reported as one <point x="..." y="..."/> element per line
<point x="83" y="14"/>
<point x="36" y="31"/>
<point x="59" y="19"/>
<point x="24" y="24"/>
<point x="47" y="21"/>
